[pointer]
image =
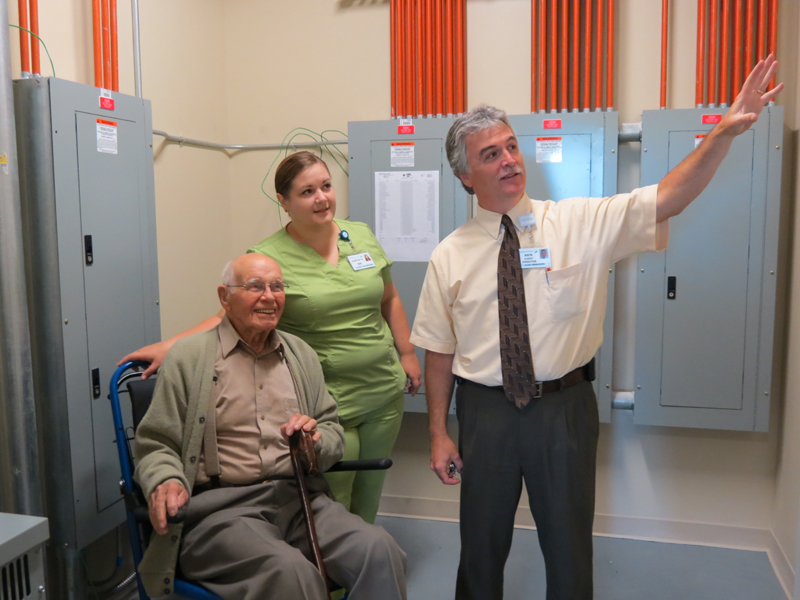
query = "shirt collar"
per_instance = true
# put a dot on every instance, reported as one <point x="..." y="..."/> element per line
<point x="491" y="221"/>
<point x="229" y="338"/>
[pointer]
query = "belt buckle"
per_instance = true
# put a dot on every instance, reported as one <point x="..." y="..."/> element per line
<point x="538" y="388"/>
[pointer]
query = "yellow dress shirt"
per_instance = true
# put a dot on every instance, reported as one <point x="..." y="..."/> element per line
<point x="457" y="312"/>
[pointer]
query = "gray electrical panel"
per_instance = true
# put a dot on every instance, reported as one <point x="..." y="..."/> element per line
<point x="370" y="145"/>
<point x="88" y="203"/>
<point x="705" y="308"/>
<point x="580" y="161"/>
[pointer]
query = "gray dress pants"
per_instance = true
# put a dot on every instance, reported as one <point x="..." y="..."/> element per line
<point x="552" y="445"/>
<point x="250" y="543"/>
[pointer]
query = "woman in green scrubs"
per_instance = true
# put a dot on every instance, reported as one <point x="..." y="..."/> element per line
<point x="340" y="299"/>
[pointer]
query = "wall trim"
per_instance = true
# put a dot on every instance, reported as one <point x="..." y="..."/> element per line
<point x="636" y="528"/>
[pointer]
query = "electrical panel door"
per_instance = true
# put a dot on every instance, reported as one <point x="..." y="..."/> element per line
<point x="371" y="146"/>
<point x="706" y="305"/>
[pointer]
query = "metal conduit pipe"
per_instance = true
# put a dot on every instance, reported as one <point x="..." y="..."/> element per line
<point x="20" y="484"/>
<point x="244" y="147"/>
<point x="137" y="51"/>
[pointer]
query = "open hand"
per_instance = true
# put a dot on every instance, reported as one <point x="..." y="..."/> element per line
<point x="753" y="98"/>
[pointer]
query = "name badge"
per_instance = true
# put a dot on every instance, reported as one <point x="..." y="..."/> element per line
<point x="527" y="220"/>
<point x="361" y="261"/>
<point x="533" y="258"/>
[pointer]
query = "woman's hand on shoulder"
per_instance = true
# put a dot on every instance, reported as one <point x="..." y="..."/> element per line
<point x="154" y="354"/>
<point x="413" y="372"/>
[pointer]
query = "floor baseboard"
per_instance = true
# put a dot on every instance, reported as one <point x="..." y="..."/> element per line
<point x="656" y="530"/>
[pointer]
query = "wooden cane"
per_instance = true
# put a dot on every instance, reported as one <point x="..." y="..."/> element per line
<point x="301" y="443"/>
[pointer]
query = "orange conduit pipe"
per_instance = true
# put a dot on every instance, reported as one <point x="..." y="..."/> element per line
<point x="393" y="54"/>
<point x="664" y="34"/>
<point x="429" y="61"/>
<point x="437" y="26"/>
<point x="448" y="57"/>
<point x="553" y="54"/>
<point x="773" y="34"/>
<point x="576" y="55"/>
<point x="724" y="67"/>
<point x="534" y="70"/>
<point x="106" y="45"/>
<point x="762" y="30"/>
<point x="748" y="36"/>
<point x="564" y="62"/>
<point x="24" y="38"/>
<point x="610" y="58"/>
<point x="462" y="56"/>
<point x="410" y="62"/>
<point x="96" y="37"/>
<point x="587" y="55"/>
<point x="701" y="53"/>
<point x="542" y="55"/>
<point x="419" y="76"/>
<point x="34" y="20"/>
<point x="738" y="50"/>
<point x="598" y="59"/>
<point x="114" y="48"/>
<point x="712" y="54"/>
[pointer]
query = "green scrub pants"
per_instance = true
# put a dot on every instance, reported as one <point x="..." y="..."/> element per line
<point x="371" y="435"/>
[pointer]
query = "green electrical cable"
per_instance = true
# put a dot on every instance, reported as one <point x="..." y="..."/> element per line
<point x="43" y="45"/>
<point x="286" y="146"/>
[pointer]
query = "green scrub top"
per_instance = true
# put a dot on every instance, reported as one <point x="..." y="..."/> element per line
<point x="337" y="311"/>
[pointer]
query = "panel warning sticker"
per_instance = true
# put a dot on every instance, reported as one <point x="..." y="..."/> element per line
<point x="106" y="136"/>
<point x="402" y="154"/>
<point x="4" y="164"/>
<point x="405" y="127"/>
<point x="548" y="149"/>
<point x="711" y="119"/>
<point x="699" y="138"/>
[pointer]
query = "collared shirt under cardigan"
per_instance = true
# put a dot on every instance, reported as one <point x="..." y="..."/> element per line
<point x="457" y="311"/>
<point x="253" y="395"/>
<point x="169" y="438"/>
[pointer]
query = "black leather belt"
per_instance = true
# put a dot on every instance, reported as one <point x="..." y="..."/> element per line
<point x="574" y="377"/>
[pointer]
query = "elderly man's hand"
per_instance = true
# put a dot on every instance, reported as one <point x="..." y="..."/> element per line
<point x="167" y="498"/>
<point x="753" y="98"/>
<point x="298" y="422"/>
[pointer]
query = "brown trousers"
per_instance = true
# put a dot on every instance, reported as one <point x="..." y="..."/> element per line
<point x="552" y="445"/>
<point x="250" y="543"/>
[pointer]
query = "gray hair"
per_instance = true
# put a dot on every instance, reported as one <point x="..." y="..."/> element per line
<point x="229" y="276"/>
<point x="479" y="118"/>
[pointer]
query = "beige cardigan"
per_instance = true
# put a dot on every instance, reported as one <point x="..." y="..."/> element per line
<point x="169" y="438"/>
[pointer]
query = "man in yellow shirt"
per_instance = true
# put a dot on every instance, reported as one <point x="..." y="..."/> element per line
<point x="512" y="309"/>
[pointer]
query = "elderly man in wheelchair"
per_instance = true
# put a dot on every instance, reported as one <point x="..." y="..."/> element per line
<point x="216" y="437"/>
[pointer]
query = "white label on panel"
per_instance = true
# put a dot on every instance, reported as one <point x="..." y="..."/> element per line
<point x="548" y="149"/>
<point x="407" y="213"/>
<point x="106" y="136"/>
<point x="699" y="138"/>
<point x="402" y="154"/>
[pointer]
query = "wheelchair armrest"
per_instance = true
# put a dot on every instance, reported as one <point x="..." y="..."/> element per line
<point x="369" y="464"/>
<point x="143" y="515"/>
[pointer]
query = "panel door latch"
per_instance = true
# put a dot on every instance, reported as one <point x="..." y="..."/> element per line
<point x="671" y="285"/>
<point x="87" y="249"/>
<point x="95" y="383"/>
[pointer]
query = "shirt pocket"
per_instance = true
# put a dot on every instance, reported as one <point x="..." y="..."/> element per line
<point x="564" y="293"/>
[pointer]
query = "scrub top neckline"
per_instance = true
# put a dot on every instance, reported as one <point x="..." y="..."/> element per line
<point x="309" y="250"/>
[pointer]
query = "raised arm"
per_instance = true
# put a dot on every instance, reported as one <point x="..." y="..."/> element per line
<point x="686" y="181"/>
<point x="155" y="353"/>
<point x="394" y="314"/>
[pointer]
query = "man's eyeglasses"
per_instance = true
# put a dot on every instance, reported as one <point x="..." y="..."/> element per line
<point x="259" y="286"/>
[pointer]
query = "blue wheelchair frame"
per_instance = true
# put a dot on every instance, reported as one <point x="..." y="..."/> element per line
<point x="129" y="489"/>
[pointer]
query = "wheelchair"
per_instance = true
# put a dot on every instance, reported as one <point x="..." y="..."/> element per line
<point x="140" y="392"/>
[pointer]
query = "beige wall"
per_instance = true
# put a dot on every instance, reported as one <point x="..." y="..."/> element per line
<point x="249" y="71"/>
